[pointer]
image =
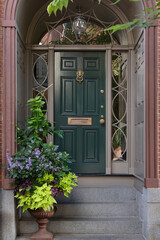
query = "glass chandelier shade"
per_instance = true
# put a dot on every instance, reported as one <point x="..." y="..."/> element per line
<point x="79" y="25"/>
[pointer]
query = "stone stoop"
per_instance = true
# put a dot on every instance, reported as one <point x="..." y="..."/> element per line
<point x="98" y="213"/>
<point x="90" y="237"/>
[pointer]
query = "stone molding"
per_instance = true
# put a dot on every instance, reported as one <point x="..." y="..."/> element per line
<point x="151" y="122"/>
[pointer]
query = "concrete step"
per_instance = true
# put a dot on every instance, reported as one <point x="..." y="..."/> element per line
<point x="121" y="225"/>
<point x="92" y="237"/>
<point x="100" y="194"/>
<point x="94" y="210"/>
<point x="97" y="209"/>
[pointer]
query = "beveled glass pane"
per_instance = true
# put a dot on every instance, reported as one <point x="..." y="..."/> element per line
<point x="40" y="71"/>
<point x="119" y="144"/>
<point x="119" y="107"/>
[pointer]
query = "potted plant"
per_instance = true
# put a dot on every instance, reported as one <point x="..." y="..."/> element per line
<point x="39" y="169"/>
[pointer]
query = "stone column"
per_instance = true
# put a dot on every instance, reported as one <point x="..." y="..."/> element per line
<point x="9" y="93"/>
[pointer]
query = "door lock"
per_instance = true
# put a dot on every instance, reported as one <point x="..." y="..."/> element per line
<point x="102" y="106"/>
<point x="101" y="91"/>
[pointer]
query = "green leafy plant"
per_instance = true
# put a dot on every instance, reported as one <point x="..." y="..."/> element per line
<point x="39" y="169"/>
<point x="41" y="197"/>
<point x="67" y="182"/>
<point x="143" y="20"/>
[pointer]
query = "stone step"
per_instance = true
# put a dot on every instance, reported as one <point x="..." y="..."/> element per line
<point x="92" y="237"/>
<point x="94" y="210"/>
<point x="100" y="194"/>
<point x="87" y="226"/>
<point x="97" y="209"/>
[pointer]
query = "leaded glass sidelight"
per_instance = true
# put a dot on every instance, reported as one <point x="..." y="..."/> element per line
<point x="40" y="76"/>
<point x="119" y="107"/>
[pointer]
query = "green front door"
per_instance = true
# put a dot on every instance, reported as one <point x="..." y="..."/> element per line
<point x="79" y="106"/>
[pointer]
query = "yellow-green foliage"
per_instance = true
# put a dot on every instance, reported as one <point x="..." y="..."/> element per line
<point x="47" y="178"/>
<point x="40" y="198"/>
<point x="67" y="183"/>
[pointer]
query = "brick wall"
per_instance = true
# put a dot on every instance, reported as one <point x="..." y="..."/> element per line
<point x="158" y="100"/>
<point x="1" y="87"/>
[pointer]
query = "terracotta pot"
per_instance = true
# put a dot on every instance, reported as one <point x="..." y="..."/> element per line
<point x="42" y="220"/>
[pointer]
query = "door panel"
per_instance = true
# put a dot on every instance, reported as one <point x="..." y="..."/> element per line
<point x="91" y="93"/>
<point x="69" y="142"/>
<point x="68" y="93"/>
<point x="85" y="144"/>
<point x="68" y="64"/>
<point x="89" y="145"/>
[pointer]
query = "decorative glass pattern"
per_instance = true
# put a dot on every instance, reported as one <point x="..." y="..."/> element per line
<point x="40" y="76"/>
<point x="119" y="107"/>
<point x="64" y="35"/>
<point x="97" y="18"/>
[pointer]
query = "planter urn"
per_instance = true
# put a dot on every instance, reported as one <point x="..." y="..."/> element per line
<point x="42" y="220"/>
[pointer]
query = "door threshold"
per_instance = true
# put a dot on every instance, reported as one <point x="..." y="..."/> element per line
<point x="102" y="175"/>
<point x="103" y="180"/>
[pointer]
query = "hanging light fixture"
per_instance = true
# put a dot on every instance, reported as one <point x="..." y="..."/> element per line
<point x="79" y="24"/>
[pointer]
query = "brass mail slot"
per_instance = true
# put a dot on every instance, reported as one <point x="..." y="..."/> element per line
<point x="80" y="121"/>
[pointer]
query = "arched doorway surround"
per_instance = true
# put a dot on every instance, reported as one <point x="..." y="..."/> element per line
<point x="9" y="99"/>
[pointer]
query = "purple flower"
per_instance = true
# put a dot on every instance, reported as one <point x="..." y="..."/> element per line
<point x="27" y="166"/>
<point x="60" y="154"/>
<point x="54" y="169"/>
<point x="37" y="152"/>
<point x="55" y="148"/>
<point x="19" y="165"/>
<point x="9" y="159"/>
<point x="30" y="161"/>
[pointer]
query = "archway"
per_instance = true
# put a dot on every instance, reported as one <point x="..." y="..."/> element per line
<point x="94" y="14"/>
<point x="24" y="33"/>
<point x="13" y="25"/>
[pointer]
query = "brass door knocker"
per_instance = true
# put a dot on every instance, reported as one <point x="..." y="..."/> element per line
<point x="79" y="77"/>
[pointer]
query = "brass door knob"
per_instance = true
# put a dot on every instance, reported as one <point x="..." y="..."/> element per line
<point x="101" y="121"/>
